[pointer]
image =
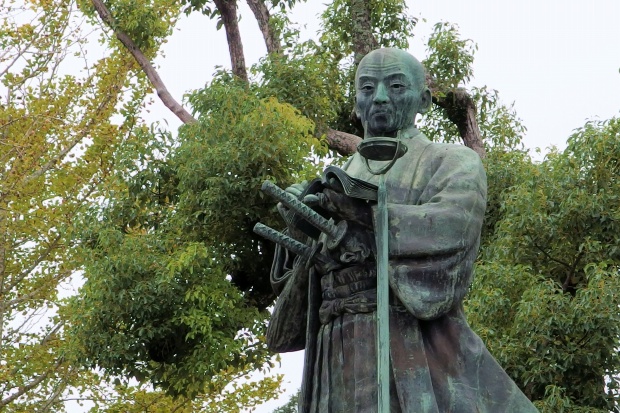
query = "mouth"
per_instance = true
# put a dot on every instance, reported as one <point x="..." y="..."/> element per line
<point x="380" y="113"/>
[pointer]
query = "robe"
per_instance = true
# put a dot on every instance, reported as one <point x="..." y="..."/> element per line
<point x="436" y="202"/>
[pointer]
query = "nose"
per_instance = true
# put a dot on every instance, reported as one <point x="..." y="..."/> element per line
<point x="381" y="95"/>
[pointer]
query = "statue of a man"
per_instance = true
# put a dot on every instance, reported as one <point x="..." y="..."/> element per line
<point x="436" y="196"/>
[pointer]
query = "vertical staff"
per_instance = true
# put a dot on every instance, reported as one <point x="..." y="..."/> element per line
<point x="382" y="149"/>
<point x="383" y="292"/>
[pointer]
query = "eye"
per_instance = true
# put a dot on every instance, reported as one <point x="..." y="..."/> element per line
<point x="397" y="86"/>
<point x="367" y="87"/>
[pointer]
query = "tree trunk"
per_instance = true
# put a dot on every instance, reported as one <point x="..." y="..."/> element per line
<point x="261" y="13"/>
<point x="363" y="39"/>
<point x="228" y="13"/>
<point x="460" y="108"/>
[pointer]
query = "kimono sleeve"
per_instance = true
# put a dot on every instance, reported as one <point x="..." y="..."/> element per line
<point x="287" y="325"/>
<point x="433" y="244"/>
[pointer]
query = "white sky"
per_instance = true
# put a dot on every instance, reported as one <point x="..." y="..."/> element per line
<point x="558" y="61"/>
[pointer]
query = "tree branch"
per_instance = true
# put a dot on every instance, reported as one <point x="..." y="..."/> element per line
<point x="48" y="337"/>
<point x="145" y="65"/>
<point x="566" y="285"/>
<point x="261" y="13"/>
<point x="550" y="258"/>
<point x="461" y="110"/>
<point x="228" y="13"/>
<point x="73" y="143"/>
<point x="54" y="398"/>
<point x="342" y="142"/>
<point x="24" y="389"/>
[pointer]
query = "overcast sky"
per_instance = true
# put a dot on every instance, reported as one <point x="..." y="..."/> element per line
<point x="558" y="61"/>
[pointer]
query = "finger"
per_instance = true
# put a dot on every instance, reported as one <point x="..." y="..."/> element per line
<point x="294" y="191"/>
<point x="282" y="210"/>
<point x="312" y="200"/>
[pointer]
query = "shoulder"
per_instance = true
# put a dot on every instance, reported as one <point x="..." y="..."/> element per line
<point x="452" y="156"/>
<point x="453" y="152"/>
<point x="452" y="161"/>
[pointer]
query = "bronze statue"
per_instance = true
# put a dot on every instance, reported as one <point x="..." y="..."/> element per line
<point x="327" y="282"/>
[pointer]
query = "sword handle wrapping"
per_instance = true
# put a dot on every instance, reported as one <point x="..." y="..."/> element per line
<point x="335" y="233"/>
<point x="279" y="238"/>
<point x="311" y="255"/>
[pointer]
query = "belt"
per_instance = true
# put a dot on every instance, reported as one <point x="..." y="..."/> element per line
<point x="352" y="290"/>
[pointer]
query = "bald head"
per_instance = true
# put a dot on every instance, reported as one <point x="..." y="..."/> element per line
<point x="390" y="56"/>
<point x="390" y="91"/>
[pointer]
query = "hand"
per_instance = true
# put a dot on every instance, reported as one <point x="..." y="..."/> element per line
<point x="295" y="190"/>
<point x="342" y="207"/>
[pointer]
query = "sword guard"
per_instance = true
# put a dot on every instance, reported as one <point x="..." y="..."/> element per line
<point x="341" y="230"/>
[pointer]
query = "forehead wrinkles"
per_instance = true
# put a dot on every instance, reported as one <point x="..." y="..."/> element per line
<point x="385" y="69"/>
<point x="380" y="70"/>
<point x="382" y="65"/>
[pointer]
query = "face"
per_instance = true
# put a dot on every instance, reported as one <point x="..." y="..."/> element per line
<point x="388" y="97"/>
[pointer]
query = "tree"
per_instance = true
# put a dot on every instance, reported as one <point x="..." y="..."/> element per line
<point x="59" y="129"/>
<point x="290" y="406"/>
<point x="545" y="298"/>
<point x="176" y="282"/>
<point x="171" y="294"/>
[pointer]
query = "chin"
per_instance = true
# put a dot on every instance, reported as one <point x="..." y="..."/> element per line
<point x="379" y="130"/>
<point x="380" y="125"/>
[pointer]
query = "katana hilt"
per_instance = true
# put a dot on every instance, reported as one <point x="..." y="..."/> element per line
<point x="334" y="233"/>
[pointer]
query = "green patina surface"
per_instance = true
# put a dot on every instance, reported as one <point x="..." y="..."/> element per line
<point x="436" y="198"/>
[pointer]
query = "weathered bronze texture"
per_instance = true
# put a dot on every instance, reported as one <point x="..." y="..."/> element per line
<point x="436" y="199"/>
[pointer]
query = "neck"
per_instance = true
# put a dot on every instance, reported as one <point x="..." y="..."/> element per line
<point x="405" y="133"/>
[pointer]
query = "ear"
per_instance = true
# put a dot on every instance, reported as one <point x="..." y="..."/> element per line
<point x="355" y="111"/>
<point x="356" y="121"/>
<point x="356" y="116"/>
<point x="426" y="101"/>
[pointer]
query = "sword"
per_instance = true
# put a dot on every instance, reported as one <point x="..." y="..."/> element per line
<point x="310" y="254"/>
<point x="335" y="233"/>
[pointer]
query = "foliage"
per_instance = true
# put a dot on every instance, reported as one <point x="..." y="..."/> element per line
<point x="59" y="128"/>
<point x="305" y="78"/>
<point x="544" y="299"/>
<point x="391" y="26"/>
<point x="290" y="406"/>
<point x="147" y="25"/>
<point x="449" y="63"/>
<point x="317" y="78"/>
<point x="176" y="282"/>
<point x="141" y="398"/>
<point x="451" y="58"/>
<point x="176" y="285"/>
